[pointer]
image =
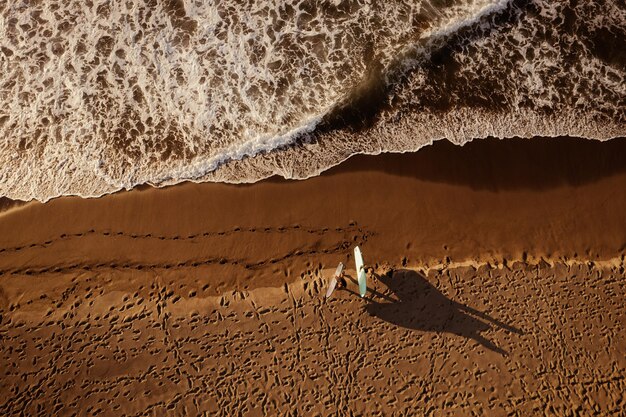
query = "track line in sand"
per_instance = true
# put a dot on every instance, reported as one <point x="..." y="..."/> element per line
<point x="206" y="234"/>
<point x="193" y="263"/>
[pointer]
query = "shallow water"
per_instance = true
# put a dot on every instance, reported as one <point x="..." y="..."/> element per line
<point x="98" y="96"/>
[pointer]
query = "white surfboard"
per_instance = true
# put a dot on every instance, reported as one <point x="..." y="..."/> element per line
<point x="360" y="271"/>
<point x="333" y="282"/>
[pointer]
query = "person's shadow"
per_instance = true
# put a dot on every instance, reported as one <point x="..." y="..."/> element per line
<point x="414" y="303"/>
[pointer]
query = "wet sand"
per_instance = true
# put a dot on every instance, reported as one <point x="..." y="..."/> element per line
<point x="498" y="273"/>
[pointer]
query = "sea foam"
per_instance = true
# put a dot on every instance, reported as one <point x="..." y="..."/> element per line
<point x="99" y="96"/>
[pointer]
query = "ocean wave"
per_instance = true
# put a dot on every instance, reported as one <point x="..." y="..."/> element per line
<point x="100" y="96"/>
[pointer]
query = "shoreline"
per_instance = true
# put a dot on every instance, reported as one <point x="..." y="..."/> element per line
<point x="268" y="166"/>
<point x="489" y="201"/>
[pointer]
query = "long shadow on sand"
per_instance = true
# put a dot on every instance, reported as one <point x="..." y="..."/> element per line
<point x="414" y="303"/>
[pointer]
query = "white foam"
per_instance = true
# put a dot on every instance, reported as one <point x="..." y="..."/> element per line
<point x="105" y="96"/>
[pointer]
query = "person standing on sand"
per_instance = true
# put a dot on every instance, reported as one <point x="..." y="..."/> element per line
<point x="369" y="270"/>
<point x="341" y="280"/>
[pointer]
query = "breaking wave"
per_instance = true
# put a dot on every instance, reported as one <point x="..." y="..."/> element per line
<point x="99" y="96"/>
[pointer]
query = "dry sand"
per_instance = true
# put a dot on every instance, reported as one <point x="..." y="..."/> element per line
<point x="507" y="296"/>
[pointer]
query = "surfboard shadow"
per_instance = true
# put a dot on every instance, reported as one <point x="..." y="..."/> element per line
<point x="416" y="304"/>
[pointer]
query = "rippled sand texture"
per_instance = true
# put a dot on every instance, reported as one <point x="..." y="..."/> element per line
<point x="98" y="95"/>
<point x="531" y="340"/>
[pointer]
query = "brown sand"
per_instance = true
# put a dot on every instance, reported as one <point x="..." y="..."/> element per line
<point x="507" y="296"/>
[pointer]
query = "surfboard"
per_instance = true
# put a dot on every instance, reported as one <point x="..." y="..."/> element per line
<point x="333" y="282"/>
<point x="360" y="271"/>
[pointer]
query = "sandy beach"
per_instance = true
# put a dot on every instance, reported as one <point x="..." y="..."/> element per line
<point x="496" y="289"/>
<point x="180" y="180"/>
